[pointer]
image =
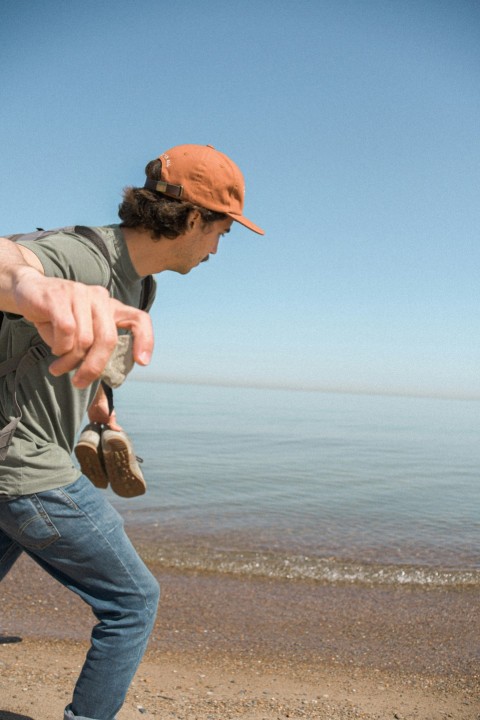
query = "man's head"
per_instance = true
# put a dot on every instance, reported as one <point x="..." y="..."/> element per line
<point x="184" y="179"/>
<point x="205" y="177"/>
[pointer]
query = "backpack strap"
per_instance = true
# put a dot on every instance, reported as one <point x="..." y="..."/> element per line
<point x="147" y="289"/>
<point x="109" y="395"/>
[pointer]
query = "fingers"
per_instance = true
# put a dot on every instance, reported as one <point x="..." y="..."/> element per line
<point x="74" y="333"/>
<point x="58" y="317"/>
<point x="96" y="322"/>
<point x="112" y="422"/>
<point x="99" y="411"/>
<point x="91" y="342"/>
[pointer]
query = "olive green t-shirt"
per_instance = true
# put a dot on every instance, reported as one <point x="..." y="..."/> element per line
<point x="40" y="456"/>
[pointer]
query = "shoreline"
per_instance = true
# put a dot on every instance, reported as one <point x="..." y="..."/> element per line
<point x="254" y="648"/>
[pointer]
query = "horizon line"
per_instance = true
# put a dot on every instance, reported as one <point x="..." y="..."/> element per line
<point x="252" y="385"/>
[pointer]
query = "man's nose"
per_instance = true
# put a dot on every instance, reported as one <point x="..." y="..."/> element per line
<point x="215" y="246"/>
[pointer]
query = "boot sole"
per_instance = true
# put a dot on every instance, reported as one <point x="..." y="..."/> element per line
<point x="123" y="480"/>
<point x="91" y="466"/>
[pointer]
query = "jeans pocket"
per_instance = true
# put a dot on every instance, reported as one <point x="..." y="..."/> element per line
<point x="28" y="523"/>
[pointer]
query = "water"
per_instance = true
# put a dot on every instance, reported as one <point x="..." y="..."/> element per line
<point x="330" y="487"/>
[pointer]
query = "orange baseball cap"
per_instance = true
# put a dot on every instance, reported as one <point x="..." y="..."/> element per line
<point x="206" y="177"/>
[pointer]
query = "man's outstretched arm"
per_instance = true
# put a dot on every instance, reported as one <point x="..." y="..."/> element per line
<point x="78" y="322"/>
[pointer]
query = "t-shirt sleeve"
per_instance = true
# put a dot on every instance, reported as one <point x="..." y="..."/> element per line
<point x="70" y="256"/>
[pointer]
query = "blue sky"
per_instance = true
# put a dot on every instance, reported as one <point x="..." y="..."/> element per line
<point x="356" y="125"/>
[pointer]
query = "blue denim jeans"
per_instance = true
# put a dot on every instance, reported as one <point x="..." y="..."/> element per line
<point x="77" y="536"/>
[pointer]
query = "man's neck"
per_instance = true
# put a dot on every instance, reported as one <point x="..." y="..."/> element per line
<point x="148" y="256"/>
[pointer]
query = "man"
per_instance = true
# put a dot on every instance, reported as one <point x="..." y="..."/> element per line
<point x="53" y="291"/>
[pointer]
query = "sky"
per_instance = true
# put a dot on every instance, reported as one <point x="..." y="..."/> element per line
<point x="356" y="125"/>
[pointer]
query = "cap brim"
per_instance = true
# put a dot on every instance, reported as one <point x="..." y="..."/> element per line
<point x="246" y="223"/>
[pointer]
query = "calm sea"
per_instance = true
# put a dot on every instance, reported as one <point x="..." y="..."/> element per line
<point x="331" y="487"/>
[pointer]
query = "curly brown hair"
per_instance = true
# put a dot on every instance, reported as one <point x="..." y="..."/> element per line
<point x="162" y="216"/>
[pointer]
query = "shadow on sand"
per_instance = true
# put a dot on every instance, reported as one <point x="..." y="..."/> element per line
<point x="8" y="639"/>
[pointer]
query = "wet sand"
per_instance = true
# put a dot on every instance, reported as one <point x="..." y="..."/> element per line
<point x="229" y="647"/>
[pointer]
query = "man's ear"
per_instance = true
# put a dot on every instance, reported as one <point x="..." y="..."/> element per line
<point x="194" y="219"/>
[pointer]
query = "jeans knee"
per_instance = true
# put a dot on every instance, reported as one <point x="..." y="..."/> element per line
<point x="135" y="610"/>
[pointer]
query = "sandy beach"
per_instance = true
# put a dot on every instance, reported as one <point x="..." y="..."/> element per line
<point x="226" y="647"/>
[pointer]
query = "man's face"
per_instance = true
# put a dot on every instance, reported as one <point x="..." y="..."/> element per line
<point x="197" y="244"/>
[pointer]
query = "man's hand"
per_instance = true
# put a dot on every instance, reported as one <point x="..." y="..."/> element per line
<point x="79" y="323"/>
